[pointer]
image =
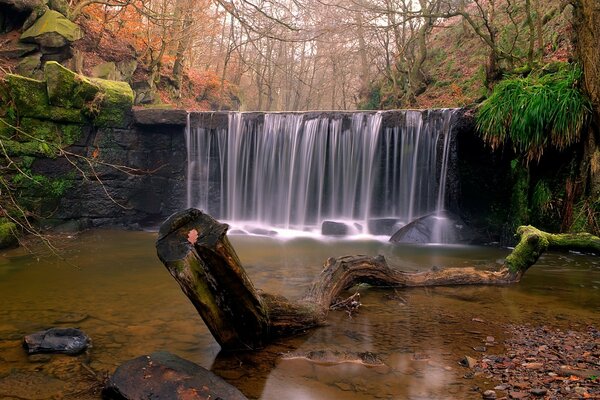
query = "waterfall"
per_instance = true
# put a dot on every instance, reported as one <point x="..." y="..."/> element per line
<point x="293" y="171"/>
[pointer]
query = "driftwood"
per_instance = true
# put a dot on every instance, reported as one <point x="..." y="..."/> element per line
<point x="195" y="249"/>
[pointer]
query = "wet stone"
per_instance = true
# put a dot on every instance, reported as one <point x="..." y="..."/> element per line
<point x="489" y="395"/>
<point x="57" y="340"/>
<point x="538" y="391"/>
<point x="163" y="375"/>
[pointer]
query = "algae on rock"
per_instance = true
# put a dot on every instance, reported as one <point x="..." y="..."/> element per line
<point x="66" y="88"/>
<point x="52" y="30"/>
<point x="8" y="236"/>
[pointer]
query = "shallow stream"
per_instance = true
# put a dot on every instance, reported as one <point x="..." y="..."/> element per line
<point x="112" y="285"/>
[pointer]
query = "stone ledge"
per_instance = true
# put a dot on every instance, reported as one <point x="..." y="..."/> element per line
<point x="160" y="116"/>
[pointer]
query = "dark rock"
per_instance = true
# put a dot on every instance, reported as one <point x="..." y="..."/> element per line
<point x="22" y="5"/>
<point x="144" y="93"/>
<point x="163" y="116"/>
<point x="382" y="226"/>
<point x="17" y="50"/>
<point x="34" y="15"/>
<point x="57" y="340"/>
<point x="538" y="391"/>
<point x="468" y="362"/>
<point x="443" y="227"/>
<point x="30" y="66"/>
<point x="332" y="228"/>
<point x="163" y="375"/>
<point x="59" y="5"/>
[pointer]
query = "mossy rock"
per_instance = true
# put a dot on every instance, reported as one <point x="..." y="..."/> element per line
<point x="30" y="66"/>
<point x="57" y="133"/>
<point x="107" y="70"/>
<point x="59" y="5"/>
<point x="52" y="30"/>
<point x="8" y="234"/>
<point x="112" y="105"/>
<point x="31" y="100"/>
<point x="66" y="88"/>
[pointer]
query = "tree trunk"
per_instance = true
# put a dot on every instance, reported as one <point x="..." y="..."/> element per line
<point x="195" y="249"/>
<point x="586" y="41"/>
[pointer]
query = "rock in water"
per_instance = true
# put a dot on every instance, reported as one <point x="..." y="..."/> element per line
<point x="443" y="227"/>
<point x="163" y="375"/>
<point x="57" y="340"/>
<point x="332" y="228"/>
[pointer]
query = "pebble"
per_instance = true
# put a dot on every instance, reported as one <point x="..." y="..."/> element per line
<point x="538" y="391"/>
<point x="489" y="395"/>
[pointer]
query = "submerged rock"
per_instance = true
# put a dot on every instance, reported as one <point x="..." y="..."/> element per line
<point x="57" y="340"/>
<point x="329" y="357"/>
<point x="443" y="227"/>
<point x="163" y="375"/>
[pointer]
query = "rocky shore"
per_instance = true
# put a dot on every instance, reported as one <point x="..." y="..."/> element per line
<point x="544" y="363"/>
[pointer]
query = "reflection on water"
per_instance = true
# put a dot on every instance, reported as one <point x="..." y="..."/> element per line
<point x="122" y="296"/>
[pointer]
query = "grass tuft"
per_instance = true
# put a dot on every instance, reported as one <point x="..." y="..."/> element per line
<point x="535" y="112"/>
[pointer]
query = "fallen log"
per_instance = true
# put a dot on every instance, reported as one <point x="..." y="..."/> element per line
<point x="195" y="249"/>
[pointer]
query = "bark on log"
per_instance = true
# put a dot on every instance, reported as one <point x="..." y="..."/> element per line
<point x="195" y="249"/>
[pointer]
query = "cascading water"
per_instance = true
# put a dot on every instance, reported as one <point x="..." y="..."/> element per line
<point x="293" y="171"/>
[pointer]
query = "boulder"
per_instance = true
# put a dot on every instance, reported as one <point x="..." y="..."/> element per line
<point x="8" y="234"/>
<point x="332" y="228"/>
<point x="16" y="50"/>
<point x="52" y="30"/>
<point x="31" y="100"/>
<point x="442" y="227"/>
<point x="22" y="5"/>
<point x="126" y="69"/>
<point x="66" y="88"/>
<point x="30" y="66"/>
<point x="144" y="93"/>
<point x="33" y="16"/>
<point x="57" y="340"/>
<point x="107" y="70"/>
<point x="112" y="107"/>
<point x="163" y="375"/>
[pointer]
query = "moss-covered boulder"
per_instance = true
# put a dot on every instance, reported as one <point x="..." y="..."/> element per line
<point x="52" y="30"/>
<point x="107" y="70"/>
<point x="112" y="105"/>
<point x="8" y="234"/>
<point x="66" y="88"/>
<point x="30" y="97"/>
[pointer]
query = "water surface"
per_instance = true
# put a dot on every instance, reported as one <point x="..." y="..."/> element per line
<point x="112" y="285"/>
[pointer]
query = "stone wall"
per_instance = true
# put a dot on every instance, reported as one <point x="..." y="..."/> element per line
<point x="138" y="178"/>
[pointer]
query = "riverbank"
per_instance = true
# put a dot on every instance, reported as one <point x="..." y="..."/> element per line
<point x="544" y="362"/>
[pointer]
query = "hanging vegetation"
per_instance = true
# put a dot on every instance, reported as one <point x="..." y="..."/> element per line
<point x="535" y="112"/>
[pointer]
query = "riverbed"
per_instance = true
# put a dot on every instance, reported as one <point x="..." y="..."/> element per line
<point x="112" y="285"/>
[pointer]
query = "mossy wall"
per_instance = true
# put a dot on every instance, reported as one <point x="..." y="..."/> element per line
<point x="41" y="118"/>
